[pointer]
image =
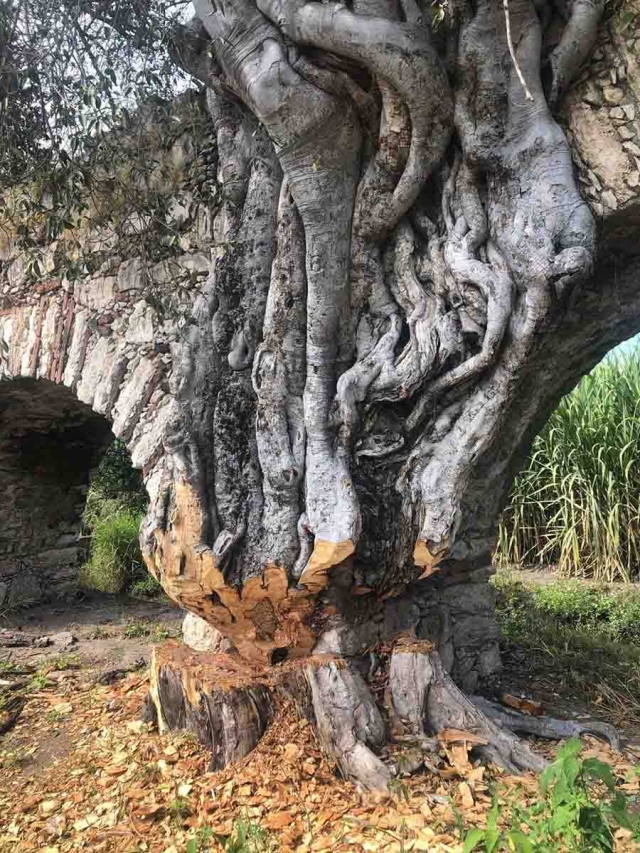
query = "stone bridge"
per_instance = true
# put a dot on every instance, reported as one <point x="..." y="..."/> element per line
<point x="101" y="355"/>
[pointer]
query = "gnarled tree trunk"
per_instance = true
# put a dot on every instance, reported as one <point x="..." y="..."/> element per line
<point x="398" y="299"/>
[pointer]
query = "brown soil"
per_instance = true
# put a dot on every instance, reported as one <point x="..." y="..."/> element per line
<point x="103" y="627"/>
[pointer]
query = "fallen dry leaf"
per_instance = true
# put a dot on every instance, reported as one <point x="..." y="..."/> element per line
<point x="525" y="706"/>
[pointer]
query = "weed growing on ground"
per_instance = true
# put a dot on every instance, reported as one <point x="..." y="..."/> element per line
<point x="587" y="639"/>
<point x="64" y="662"/>
<point x="156" y="633"/>
<point x="134" y="630"/>
<point x="146" y="588"/>
<point x="581" y="806"/>
<point x="8" y="667"/>
<point x="613" y="613"/>
<point x="38" y="682"/>
<point x="179" y="810"/>
<point x="201" y="841"/>
<point x="53" y="717"/>
<point x="247" y="836"/>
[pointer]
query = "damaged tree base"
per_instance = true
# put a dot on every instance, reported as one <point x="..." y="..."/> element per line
<point x="366" y="723"/>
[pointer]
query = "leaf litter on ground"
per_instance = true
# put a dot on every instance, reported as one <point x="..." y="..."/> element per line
<point x="93" y="777"/>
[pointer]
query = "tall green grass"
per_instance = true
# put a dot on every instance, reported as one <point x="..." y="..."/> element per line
<point x="115" y="560"/>
<point x="113" y="513"/>
<point x="576" y="504"/>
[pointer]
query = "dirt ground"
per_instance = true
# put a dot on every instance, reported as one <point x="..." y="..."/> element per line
<point x="110" y="632"/>
<point x="80" y="770"/>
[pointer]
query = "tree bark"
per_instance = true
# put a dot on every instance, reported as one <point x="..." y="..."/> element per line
<point x="402" y="290"/>
<point x="372" y="721"/>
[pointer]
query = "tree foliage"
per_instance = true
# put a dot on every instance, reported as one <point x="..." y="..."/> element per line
<point x="70" y="71"/>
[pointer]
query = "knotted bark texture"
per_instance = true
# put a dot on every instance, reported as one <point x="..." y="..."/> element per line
<point x="398" y="229"/>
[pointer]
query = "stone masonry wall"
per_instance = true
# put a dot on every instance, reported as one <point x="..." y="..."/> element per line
<point x="83" y="360"/>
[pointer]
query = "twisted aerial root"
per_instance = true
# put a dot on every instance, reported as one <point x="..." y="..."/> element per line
<point x="318" y="144"/>
<point x="576" y="43"/>
<point x="278" y="377"/>
<point x="403" y="57"/>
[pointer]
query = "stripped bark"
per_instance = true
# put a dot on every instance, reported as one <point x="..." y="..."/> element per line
<point x="399" y="234"/>
<point x="229" y="704"/>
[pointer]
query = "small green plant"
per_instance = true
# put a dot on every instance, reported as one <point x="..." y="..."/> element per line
<point x="146" y="588"/>
<point x="38" y="682"/>
<point x="579" y="809"/>
<point x="64" y="662"/>
<point x="8" y="667"/>
<point x="157" y="633"/>
<point x="247" y="837"/>
<point x="15" y="759"/>
<point x="200" y="843"/>
<point x="179" y="810"/>
<point x="53" y="717"/>
<point x="399" y="788"/>
<point x="134" y="630"/>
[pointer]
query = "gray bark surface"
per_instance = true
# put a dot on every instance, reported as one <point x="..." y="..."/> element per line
<point x="404" y="280"/>
<point x="400" y="234"/>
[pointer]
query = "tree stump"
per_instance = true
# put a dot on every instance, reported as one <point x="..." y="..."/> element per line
<point x="219" y="697"/>
<point x="229" y="704"/>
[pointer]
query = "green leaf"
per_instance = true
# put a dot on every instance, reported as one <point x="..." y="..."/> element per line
<point x="492" y="817"/>
<point x="474" y="837"/>
<point x="570" y="748"/>
<point x="491" y="839"/>
<point x="192" y="845"/>
<point x="519" y="842"/>
<point x="595" y="769"/>
<point x="594" y="827"/>
<point x="620" y="813"/>
<point x="562" y="817"/>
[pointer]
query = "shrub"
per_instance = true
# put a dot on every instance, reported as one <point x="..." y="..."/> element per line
<point x="585" y="640"/>
<point x="113" y="513"/>
<point x="613" y="613"/>
<point x="577" y="501"/>
<point x="117" y="479"/>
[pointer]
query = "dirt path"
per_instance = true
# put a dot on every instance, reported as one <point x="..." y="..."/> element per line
<point x="108" y="632"/>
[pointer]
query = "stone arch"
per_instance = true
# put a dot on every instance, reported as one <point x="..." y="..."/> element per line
<point x="50" y="444"/>
<point x="71" y="380"/>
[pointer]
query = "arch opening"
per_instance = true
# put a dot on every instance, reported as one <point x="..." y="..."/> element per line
<point x="50" y="447"/>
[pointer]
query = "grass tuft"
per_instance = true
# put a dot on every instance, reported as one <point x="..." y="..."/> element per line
<point x="115" y="559"/>
<point x="113" y="513"/>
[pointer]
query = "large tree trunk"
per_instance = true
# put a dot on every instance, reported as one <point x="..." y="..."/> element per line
<point x="400" y="280"/>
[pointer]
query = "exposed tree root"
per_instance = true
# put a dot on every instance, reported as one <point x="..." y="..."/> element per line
<point x="420" y="688"/>
<point x="547" y="727"/>
<point x="348" y="722"/>
<point x="229" y="705"/>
